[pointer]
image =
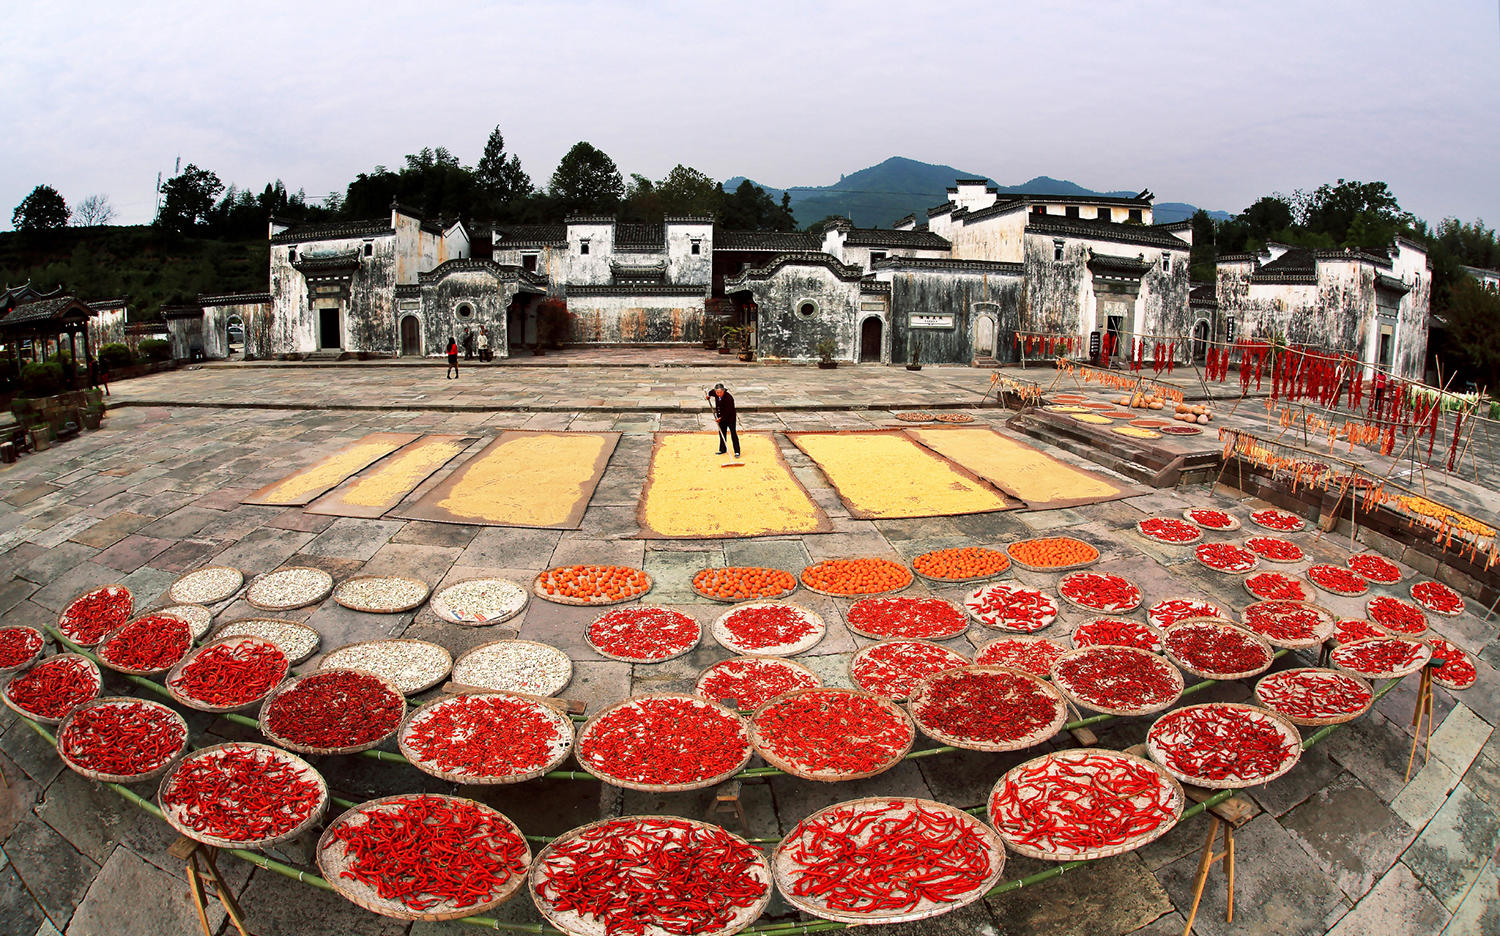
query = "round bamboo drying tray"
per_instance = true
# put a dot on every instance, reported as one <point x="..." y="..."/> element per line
<point x="785" y="866"/>
<point x="721" y="633"/>
<point x="308" y="595"/>
<point x="132" y="671"/>
<point x="1152" y="629"/>
<point x="1322" y="632"/>
<point x="1395" y="631"/>
<point x="1340" y="654"/>
<point x="1062" y="583"/>
<point x="1084" y="564"/>
<point x="960" y="627"/>
<point x="1140" y="527"/>
<point x="288" y="684"/>
<point x="1212" y="609"/>
<point x="310" y="639"/>
<point x="101" y="777"/>
<point x="699" y="688"/>
<point x="776" y="597"/>
<point x="1371" y="578"/>
<point x="910" y="577"/>
<point x="1183" y="429"/>
<point x="915" y="417"/>
<point x="353" y="605"/>
<point x="1254" y="562"/>
<point x="61" y="618"/>
<point x="917" y="706"/>
<point x="851" y="668"/>
<point x="467" y="661"/>
<point x="560" y="752"/>
<point x="171" y="814"/>
<point x="41" y="648"/>
<point x="540" y="592"/>
<point x="1285" y="726"/>
<point x="1232" y="630"/>
<point x="1284" y="578"/>
<point x="333" y="862"/>
<point x="1301" y="556"/>
<point x="634" y="701"/>
<point x="805" y="773"/>
<point x="1146" y="658"/>
<point x="984" y="651"/>
<point x="43" y="719"/>
<point x="440" y="606"/>
<point x="1429" y="608"/>
<point x="1338" y="628"/>
<point x="588" y="637"/>
<point x="954" y="418"/>
<point x="970" y="580"/>
<point x="345" y="657"/>
<point x="975" y="596"/>
<point x="198" y="617"/>
<point x="180" y="592"/>
<point x="1337" y="591"/>
<point x="192" y="703"/>
<point x="1301" y="523"/>
<point x="1458" y="653"/>
<point x="1318" y="721"/>
<point x="1234" y="522"/>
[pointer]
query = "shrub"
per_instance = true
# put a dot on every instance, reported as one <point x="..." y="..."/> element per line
<point x="155" y="349"/>
<point x="115" y="355"/>
<point x="38" y="379"/>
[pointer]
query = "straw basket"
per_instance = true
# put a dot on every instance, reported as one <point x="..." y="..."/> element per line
<point x="1314" y="722"/>
<point x="468" y="659"/>
<point x="1300" y="554"/>
<point x="918" y="706"/>
<point x="1152" y="629"/>
<point x="807" y="773"/>
<point x="1010" y="551"/>
<point x="353" y="605"/>
<point x="540" y="592"/>
<point x="588" y="636"/>
<point x="178" y="591"/>
<point x="309" y="595"/>
<point x="62" y="729"/>
<point x="779" y="662"/>
<point x="264" y="718"/>
<point x="910" y="577"/>
<point x="1223" y="613"/>
<point x="198" y="617"/>
<point x="1322" y="632"/>
<point x="176" y="820"/>
<point x="1230" y="630"/>
<point x="310" y="639"/>
<point x="1021" y="639"/>
<point x="1306" y="595"/>
<point x="1064" y="581"/>
<point x="1339" y="655"/>
<point x="440" y="606"/>
<point x="776" y="597"/>
<point x="63" y="617"/>
<point x="558" y="754"/>
<point x="1377" y="581"/>
<point x="603" y="774"/>
<point x="1047" y="619"/>
<point x="1301" y="523"/>
<point x="852" y="668"/>
<point x="1430" y="609"/>
<point x="1140" y="527"/>
<point x="132" y="671"/>
<point x="960" y="615"/>
<point x="1234" y="522"/>
<point x="41" y="647"/>
<point x="1337" y="591"/>
<point x="720" y="630"/>
<point x="1254" y="563"/>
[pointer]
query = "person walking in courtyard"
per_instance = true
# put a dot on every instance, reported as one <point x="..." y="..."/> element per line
<point x="483" y="343"/>
<point x="468" y="343"/>
<point x="723" y="402"/>
<point x="452" y="359"/>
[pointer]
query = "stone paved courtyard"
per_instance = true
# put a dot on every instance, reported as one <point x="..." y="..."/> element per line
<point x="1341" y="844"/>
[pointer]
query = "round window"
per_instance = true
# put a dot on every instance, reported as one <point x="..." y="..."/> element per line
<point x="465" y="311"/>
<point x="808" y="308"/>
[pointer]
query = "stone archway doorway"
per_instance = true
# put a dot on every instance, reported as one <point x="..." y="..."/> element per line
<point x="1200" y="342"/>
<point x="870" y="333"/>
<point x="411" y="337"/>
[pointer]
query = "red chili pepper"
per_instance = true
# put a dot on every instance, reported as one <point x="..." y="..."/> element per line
<point x="1396" y="615"/>
<point x="123" y="739"/>
<point x="1028" y="654"/>
<point x="241" y="793"/>
<point x="54" y="687"/>
<point x="664" y="741"/>
<point x="1276" y="586"/>
<point x="1116" y="678"/>
<point x="812" y="730"/>
<point x="1169" y="611"/>
<point x="234" y="673"/>
<point x="1311" y="693"/>
<point x="644" y="635"/>
<point x="1213" y="519"/>
<point x="18" y="645"/>
<point x="1082" y="801"/>
<point x="1282" y="621"/>
<point x="892" y="668"/>
<point x="1226" y="557"/>
<point x="1216" y="648"/>
<point x="484" y="735"/>
<point x="1170" y="530"/>
<point x="95" y="614"/>
<point x="1116" y="632"/>
<point x="918" y="618"/>
<point x="752" y="681"/>
<point x="1273" y="548"/>
<point x="766" y="627"/>
<point x="153" y="643"/>
<point x="1099" y="591"/>
<point x="1435" y="596"/>
<point x="335" y="709"/>
<point x="1222" y="743"/>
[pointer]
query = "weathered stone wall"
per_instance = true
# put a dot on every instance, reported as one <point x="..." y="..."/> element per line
<point x="1058" y="292"/>
<point x="1410" y="265"/>
<point x="182" y="332"/>
<point x="596" y="316"/>
<point x="367" y="321"/>
<point x="475" y="286"/>
<point x="963" y="295"/>
<point x="784" y="332"/>
<point x="215" y="332"/>
<point x="107" y="327"/>
<point x="592" y="268"/>
<point x="1000" y="236"/>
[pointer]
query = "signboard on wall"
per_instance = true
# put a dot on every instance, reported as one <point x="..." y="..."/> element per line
<point x="1229" y="330"/>
<point x="1094" y="345"/>
<point x="917" y="320"/>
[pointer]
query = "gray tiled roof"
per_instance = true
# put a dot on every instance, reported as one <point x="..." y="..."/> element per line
<point x="335" y="230"/>
<point x="225" y="299"/>
<point x="631" y="236"/>
<point x="531" y="235"/>
<point x="882" y="237"/>
<point x="1103" y="230"/>
<point x="771" y="241"/>
<point x="43" y="310"/>
<point x="1204" y="295"/>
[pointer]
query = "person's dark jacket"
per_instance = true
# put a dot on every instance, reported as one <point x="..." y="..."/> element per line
<point x="724" y="407"/>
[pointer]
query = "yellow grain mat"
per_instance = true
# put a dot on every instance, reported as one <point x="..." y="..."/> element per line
<point x="297" y="489"/>
<point x="690" y="494"/>
<point x="382" y="488"/>
<point x="525" y="479"/>
<point x="883" y="475"/>
<point x="1019" y="470"/>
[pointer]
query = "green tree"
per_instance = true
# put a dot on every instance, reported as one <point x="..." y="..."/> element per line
<point x="1201" y="259"/>
<point x="1473" y="317"/>
<point x="43" y="208"/>
<point x="686" y="191"/>
<point x="189" y="199"/>
<point x="1336" y="209"/>
<point x="500" y="175"/>
<point x="749" y="208"/>
<point x="586" y="180"/>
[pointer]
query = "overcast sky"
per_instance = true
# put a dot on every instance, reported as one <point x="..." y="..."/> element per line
<point x="1212" y="103"/>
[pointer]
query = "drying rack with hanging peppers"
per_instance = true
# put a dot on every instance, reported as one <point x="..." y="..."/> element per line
<point x="1011" y="607"/>
<point x="230" y="673"/>
<point x="961" y="564"/>
<point x="1276" y="586"/>
<point x="1295" y="625"/>
<point x="751" y="681"/>
<point x="1034" y="655"/>
<point x="887" y="860"/>
<point x="424" y="856"/>
<point x="1457" y="670"/>
<point x="1377" y="569"/>
<point x="1169" y="530"/>
<point x="988" y="708"/>
<point x="1438" y="598"/>
<point x="1399" y="617"/>
<point x="119" y="740"/>
<point x="151" y="644"/>
<point x="486" y="739"/>
<point x="891" y="668"/>
<point x="1309" y="696"/>
<point x="90" y="616"/>
<point x="916" y="618"/>
<point x="1117" y="680"/>
<point x="1217" y="650"/>
<point x="1337" y="580"/>
<point x="1117" y="632"/>
<point x="242" y="795"/>
<point x="19" y="647"/>
<point x="664" y="742"/>
<point x="1275" y="549"/>
<point x="831" y="734"/>
<point x="1224" y="745"/>
<point x="332" y="711"/>
<point x="643" y="634"/>
<point x="1381" y="658"/>
<point x="1081" y="804"/>
<point x="768" y="628"/>
<point x="1099" y="591"/>
<point x="1226" y="557"/>
<point x="1169" y="611"/>
<point x="642" y="875"/>
<point x="54" y="687"/>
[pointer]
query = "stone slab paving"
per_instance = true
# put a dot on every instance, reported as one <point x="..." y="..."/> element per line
<point x="1343" y="844"/>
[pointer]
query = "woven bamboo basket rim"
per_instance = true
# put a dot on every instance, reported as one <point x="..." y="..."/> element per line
<point x="1150" y="423"/>
<point x="131" y="671"/>
<point x="322" y="594"/>
<point x="201" y="706"/>
<point x="564" y="723"/>
<point x="1413" y="604"/>
<point x="1252" y="636"/>
<point x="1071" y="567"/>
<point x="1337" y="591"/>
<point x="193" y="614"/>
<point x="910" y="577"/>
<point x="426" y="590"/>
<point x="43" y="719"/>
<point x="1380" y="630"/>
<point x="1234" y="522"/>
<point x="227" y="593"/>
<point x="1140" y="596"/>
<point x="1307" y="595"/>
<point x="1060" y="714"/>
<point x="575" y="924"/>
<point x="1223" y="614"/>
<point x="1431" y="610"/>
<point x="330" y="659"/>
<point x="540" y="592"/>
<point x="1150" y="628"/>
<point x="223" y="630"/>
<point x="785" y="868"/>
<point x="1062" y="686"/>
<point x="439" y="604"/>
<point x="307" y="770"/>
<point x="830" y="776"/>
<point x="1322" y="633"/>
<point x="1048" y="620"/>
<point x="781" y="662"/>
<point x="1254" y="561"/>
<point x="1287" y="727"/>
<point x="474" y="651"/>
<point x="1301" y="523"/>
<point x="970" y="580"/>
<point x="264" y="717"/>
<point x="1371" y="578"/>
<point x="721" y="634"/>
<point x="1301" y="554"/>
<point x="121" y="778"/>
<point x="1021" y="638"/>
<point x="955" y="418"/>
<point x="634" y="701"/>
<point x="332" y="865"/>
<point x="1140" y="527"/>
<point x="41" y="648"/>
<point x="63" y="615"/>
<point x="1179" y="802"/>
<point x="1316" y="722"/>
<point x="776" y="597"/>
<point x="697" y="639"/>
<point x="1457" y="685"/>
<point x="1423" y="655"/>
<point x="1183" y="429"/>
<point x="863" y="652"/>
<point x="963" y="618"/>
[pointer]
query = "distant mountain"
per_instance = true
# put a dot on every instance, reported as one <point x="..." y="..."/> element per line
<point x="882" y="194"/>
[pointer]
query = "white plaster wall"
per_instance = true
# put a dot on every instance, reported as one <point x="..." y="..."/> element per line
<point x="107" y="327"/>
<point x="642" y="318"/>
<point x="593" y="268"/>
<point x="999" y="237"/>
<point x="683" y="268"/>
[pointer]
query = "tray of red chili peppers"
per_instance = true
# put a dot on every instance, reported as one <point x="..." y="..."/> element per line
<point x="121" y="740"/>
<point x="1211" y="519"/>
<point x="643" y="634"/>
<point x="1314" y="697"/>
<point x="1438" y="598"/>
<point x="242" y="795"/>
<point x="988" y="708"/>
<point x="887" y="860"/>
<point x="1401" y="618"/>
<point x="664" y="743"/>
<point x="891" y="668"/>
<point x="1295" y="625"/>
<point x="54" y="687"/>
<point x="1099" y="591"/>
<point x="1117" y="632"/>
<point x="1084" y="804"/>
<point x="1214" y="649"/>
<point x="1456" y="669"/>
<point x="902" y="616"/>
<point x="1117" y="680"/>
<point x="19" y="648"/>
<point x="1226" y="557"/>
<point x="1338" y="580"/>
<point x="484" y="739"/>
<point x="650" y="876"/>
<point x="1224" y="745"/>
<point x="1276" y="586"/>
<point x="1377" y="569"/>
<point x="1381" y="657"/>
<point x="227" y="675"/>
<point x="768" y="628"/>
<point x="831" y="734"/>
<point x="1352" y="630"/>
<point x="1034" y="655"/>
<point x="152" y="643"/>
<point x="1169" y="611"/>
<point x="1011" y="607"/>
<point x="95" y="613"/>
<point x="332" y="711"/>
<point x="1169" y="530"/>
<point x="424" y="856"/>
<point x="1278" y="520"/>
<point x="1275" y="549"/>
<point x="751" y="681"/>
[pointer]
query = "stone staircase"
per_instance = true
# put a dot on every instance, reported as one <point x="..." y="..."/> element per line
<point x="1159" y="468"/>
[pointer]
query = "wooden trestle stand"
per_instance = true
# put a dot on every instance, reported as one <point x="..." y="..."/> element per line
<point x="1230" y="814"/>
<point x="192" y="852"/>
<point x="1424" y="709"/>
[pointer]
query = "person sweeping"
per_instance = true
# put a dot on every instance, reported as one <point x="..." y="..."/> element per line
<point x="723" y="402"/>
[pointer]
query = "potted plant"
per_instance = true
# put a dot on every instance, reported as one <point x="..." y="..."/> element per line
<point x="729" y="339"/>
<point x="745" y="353"/>
<point x="916" y="356"/>
<point x="825" y="349"/>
